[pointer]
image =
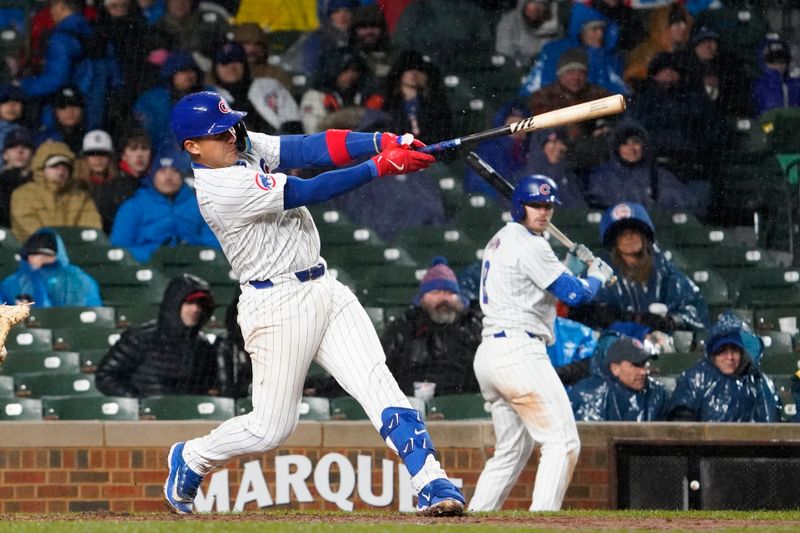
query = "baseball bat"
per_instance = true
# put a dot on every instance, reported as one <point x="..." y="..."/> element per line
<point x="602" y="107"/>
<point x="501" y="185"/>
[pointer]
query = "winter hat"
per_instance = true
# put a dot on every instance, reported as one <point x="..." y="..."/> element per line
<point x="716" y="344"/>
<point x="664" y="60"/>
<point x="11" y="93"/>
<point x="176" y="62"/>
<point x="368" y="17"/>
<point x="68" y="96"/>
<point x="571" y="59"/>
<point x="439" y="277"/>
<point x="57" y="159"/>
<point x="704" y="33"/>
<point x="203" y="298"/>
<point x="249" y="32"/>
<point x="39" y="243"/>
<point x="336" y="5"/>
<point x="231" y="52"/>
<point x="18" y="137"/>
<point x="98" y="142"/>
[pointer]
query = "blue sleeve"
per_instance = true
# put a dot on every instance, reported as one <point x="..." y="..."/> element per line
<point x="572" y="290"/>
<point x="58" y="63"/>
<point x="318" y="189"/>
<point x="301" y="151"/>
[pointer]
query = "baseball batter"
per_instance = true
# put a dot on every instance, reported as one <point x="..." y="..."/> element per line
<point x="520" y="282"/>
<point x="291" y="311"/>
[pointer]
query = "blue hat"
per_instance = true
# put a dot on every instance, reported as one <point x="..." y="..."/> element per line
<point x="11" y="92"/>
<point x="335" y="5"/>
<point x="625" y="215"/>
<point x="18" y="137"/>
<point x="231" y="52"/>
<point x="716" y="344"/>
<point x="176" y="62"/>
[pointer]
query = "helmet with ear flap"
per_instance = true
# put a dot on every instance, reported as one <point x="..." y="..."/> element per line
<point x="242" y="139"/>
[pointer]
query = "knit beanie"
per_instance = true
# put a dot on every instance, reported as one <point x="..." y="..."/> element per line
<point x="439" y="277"/>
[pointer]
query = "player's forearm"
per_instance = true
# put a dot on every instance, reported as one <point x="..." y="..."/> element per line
<point x="574" y="291"/>
<point x="327" y="185"/>
<point x="328" y="148"/>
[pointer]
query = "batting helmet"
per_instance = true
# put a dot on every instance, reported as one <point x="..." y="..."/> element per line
<point x="533" y="188"/>
<point x="201" y="114"/>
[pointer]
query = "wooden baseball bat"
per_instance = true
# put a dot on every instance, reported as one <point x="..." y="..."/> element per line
<point x="501" y="185"/>
<point x="602" y="107"/>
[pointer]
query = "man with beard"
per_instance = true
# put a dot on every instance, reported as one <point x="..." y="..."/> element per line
<point x="435" y="340"/>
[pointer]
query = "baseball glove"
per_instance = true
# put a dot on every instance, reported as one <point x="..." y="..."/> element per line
<point x="10" y="315"/>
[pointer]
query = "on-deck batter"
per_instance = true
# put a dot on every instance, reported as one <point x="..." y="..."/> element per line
<point x="291" y="312"/>
<point x="520" y="282"/>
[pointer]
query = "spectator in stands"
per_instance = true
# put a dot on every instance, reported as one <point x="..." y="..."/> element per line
<point x="256" y="49"/>
<point x="53" y="198"/>
<point x="152" y="10"/>
<point x="685" y="129"/>
<point x="69" y="126"/>
<point x="415" y="98"/>
<point x="235" y="372"/>
<point x="669" y="30"/>
<point x="97" y="168"/>
<point x="650" y="290"/>
<point x="631" y="174"/>
<point x="162" y="212"/>
<point x="775" y="87"/>
<point x="717" y="75"/>
<point x="17" y="153"/>
<point x="11" y="108"/>
<point x="586" y="139"/>
<point x="341" y="93"/>
<point x="522" y="32"/>
<point x="46" y="277"/>
<point x="435" y="340"/>
<point x="136" y="155"/>
<point x="550" y="155"/>
<point x="194" y="28"/>
<point x="168" y="355"/>
<point x="180" y="76"/>
<point x="726" y="385"/>
<point x="620" y="389"/>
<point x="572" y="351"/>
<point x="307" y="54"/>
<point x="269" y="105"/>
<point x="631" y="30"/>
<point x="796" y="395"/>
<point x="596" y="36"/>
<point x="370" y="38"/>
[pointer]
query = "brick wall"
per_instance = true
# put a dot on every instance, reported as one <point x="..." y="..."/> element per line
<point x="89" y="466"/>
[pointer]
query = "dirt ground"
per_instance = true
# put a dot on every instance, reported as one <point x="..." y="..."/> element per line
<point x="554" y="522"/>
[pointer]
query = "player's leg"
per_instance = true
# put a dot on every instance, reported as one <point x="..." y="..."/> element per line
<point x="511" y="452"/>
<point x="282" y="328"/>
<point x="352" y="353"/>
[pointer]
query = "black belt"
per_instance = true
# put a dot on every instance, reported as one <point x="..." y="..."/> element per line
<point x="317" y="271"/>
<point x="502" y="334"/>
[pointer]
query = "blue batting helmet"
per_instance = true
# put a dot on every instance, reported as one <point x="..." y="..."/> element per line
<point x="201" y="114"/>
<point x="533" y="188"/>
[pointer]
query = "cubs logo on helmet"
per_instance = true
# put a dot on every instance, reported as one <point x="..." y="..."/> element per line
<point x="202" y="114"/>
<point x="544" y="189"/>
<point x="223" y="106"/>
<point x="536" y="188"/>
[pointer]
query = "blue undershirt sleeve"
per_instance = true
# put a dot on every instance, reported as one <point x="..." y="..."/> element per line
<point x="573" y="290"/>
<point x="327" y="185"/>
<point x="302" y="151"/>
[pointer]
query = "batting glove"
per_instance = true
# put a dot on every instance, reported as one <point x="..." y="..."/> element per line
<point x="390" y="140"/>
<point x="401" y="160"/>
<point x="583" y="253"/>
<point x="599" y="269"/>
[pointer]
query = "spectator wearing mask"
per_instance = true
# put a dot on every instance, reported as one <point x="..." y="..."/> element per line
<point x="162" y="212"/>
<point x="46" y="277"/>
<point x="522" y="32"/>
<point x="775" y="87"/>
<point x="168" y="355"/>
<point x="620" y="388"/>
<point x="727" y="384"/>
<point x="17" y="154"/>
<point x="53" y="198"/>
<point x="435" y="340"/>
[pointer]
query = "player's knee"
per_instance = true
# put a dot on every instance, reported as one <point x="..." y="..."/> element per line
<point x="269" y="435"/>
<point x="404" y="430"/>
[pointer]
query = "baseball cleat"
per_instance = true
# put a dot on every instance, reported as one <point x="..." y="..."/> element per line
<point x="182" y="482"/>
<point x="440" y="498"/>
<point x="10" y="315"/>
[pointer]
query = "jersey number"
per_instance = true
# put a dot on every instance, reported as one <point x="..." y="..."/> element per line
<point x="484" y="275"/>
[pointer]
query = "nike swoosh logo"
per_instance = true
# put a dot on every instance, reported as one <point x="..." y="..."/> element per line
<point x="425" y="496"/>
<point x="399" y="168"/>
<point x="419" y="431"/>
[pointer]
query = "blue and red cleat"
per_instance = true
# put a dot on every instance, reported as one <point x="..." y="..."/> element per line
<point x="440" y="498"/>
<point x="182" y="482"/>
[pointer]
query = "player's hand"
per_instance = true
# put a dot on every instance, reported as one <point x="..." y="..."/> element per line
<point x="401" y="160"/>
<point x="390" y="140"/>
<point x="601" y="270"/>
<point x="583" y="253"/>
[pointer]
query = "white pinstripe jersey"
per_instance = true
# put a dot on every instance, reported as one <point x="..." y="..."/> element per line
<point x="518" y="266"/>
<point x="243" y="206"/>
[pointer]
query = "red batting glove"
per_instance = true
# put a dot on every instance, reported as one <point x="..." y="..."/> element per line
<point x="401" y="160"/>
<point x="390" y="140"/>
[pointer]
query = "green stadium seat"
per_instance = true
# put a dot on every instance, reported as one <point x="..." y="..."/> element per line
<point x="72" y="235"/>
<point x="776" y="342"/>
<point x="85" y="338"/>
<point x="768" y="319"/>
<point x="121" y="284"/>
<point x="386" y="295"/>
<point x="347" y="408"/>
<point x="91" y="358"/>
<point x="479" y="219"/>
<point x="458" y="254"/>
<point x="783" y="386"/>
<point x="90" y="408"/>
<point x="714" y="290"/>
<point x="188" y="255"/>
<point x="38" y="384"/>
<point x="20" y="409"/>
<point x="725" y="259"/>
<point x="390" y="314"/>
<point x="768" y="287"/>
<point x="243" y="406"/>
<point x="316" y="370"/>
<point x="669" y="382"/>
<point x="362" y="255"/>
<point x="132" y="314"/>
<point x="60" y="362"/>
<point x="89" y="255"/>
<point x="314" y="408"/>
<point x="6" y="387"/>
<point x="71" y="317"/>
<point x="343" y="276"/>
<point x="468" y="109"/>
<point x="663" y="218"/>
<point x="453" y="195"/>
<point x="690" y="236"/>
<point x="780" y="363"/>
<point x="186" y="407"/>
<point x="673" y="363"/>
<point x="458" y="407"/>
<point x="23" y="339"/>
<point x="7" y="240"/>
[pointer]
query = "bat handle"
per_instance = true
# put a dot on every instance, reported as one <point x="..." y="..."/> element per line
<point x="440" y="146"/>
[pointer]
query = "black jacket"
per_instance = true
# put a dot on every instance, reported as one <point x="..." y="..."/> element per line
<point x="162" y="356"/>
<point x="419" y="349"/>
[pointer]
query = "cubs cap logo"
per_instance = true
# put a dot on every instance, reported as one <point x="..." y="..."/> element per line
<point x="223" y="106"/>
<point x="621" y="211"/>
<point x="265" y="182"/>
<point x="544" y="189"/>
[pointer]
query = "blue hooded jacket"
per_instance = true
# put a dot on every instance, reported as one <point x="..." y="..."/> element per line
<point x="707" y="395"/>
<point x="605" y="65"/>
<point x="573" y="342"/>
<point x="59" y="284"/>
<point x="602" y="398"/>
<point x="768" y="88"/>
<point x="149" y="220"/>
